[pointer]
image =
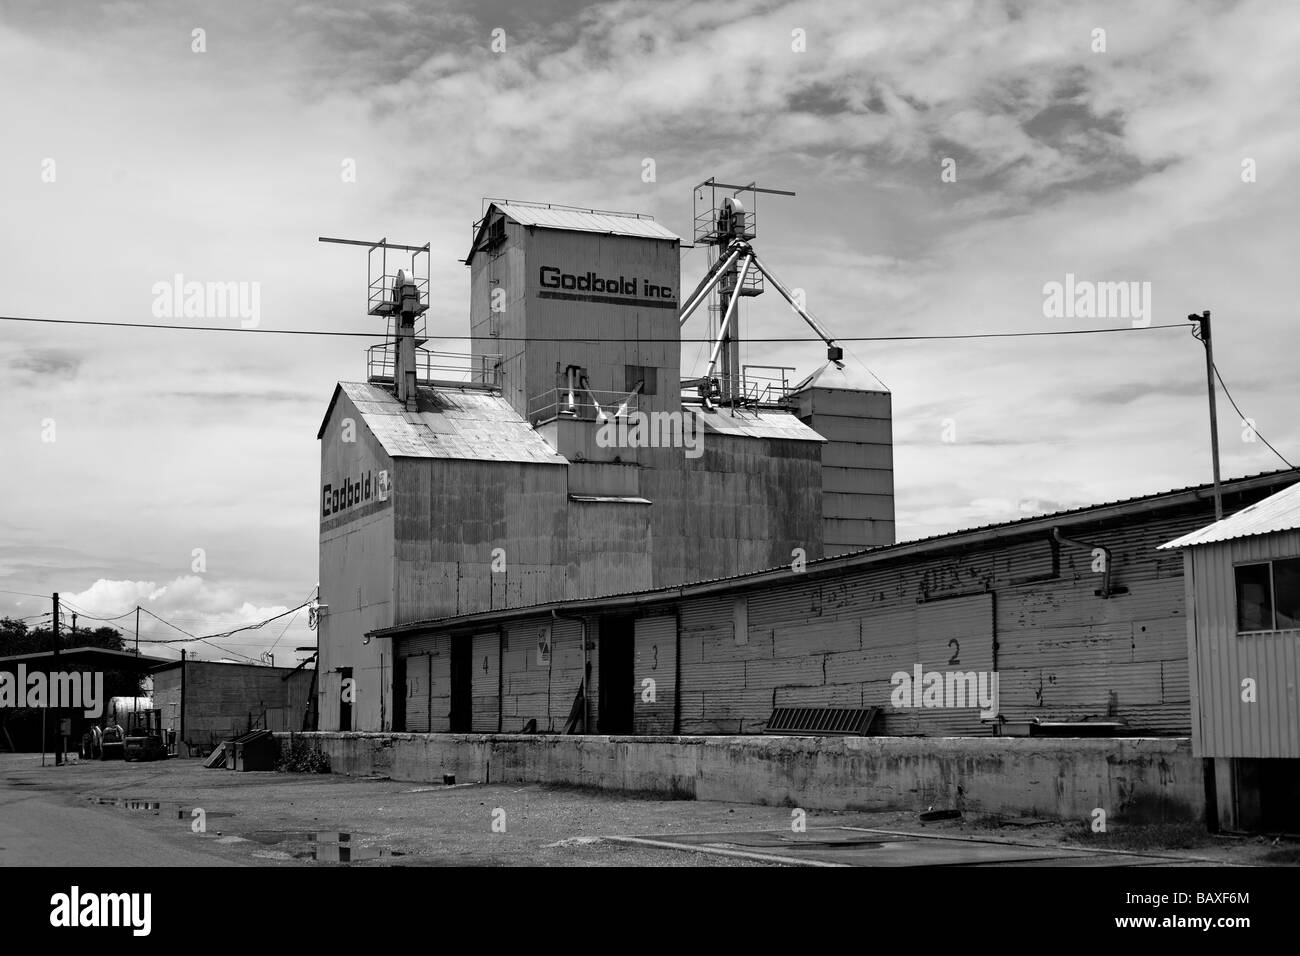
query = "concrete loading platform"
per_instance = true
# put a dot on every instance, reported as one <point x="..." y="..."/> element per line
<point x="1131" y="780"/>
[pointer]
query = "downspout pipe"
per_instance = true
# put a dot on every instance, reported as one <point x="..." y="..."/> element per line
<point x="1105" y="577"/>
<point x="586" y="667"/>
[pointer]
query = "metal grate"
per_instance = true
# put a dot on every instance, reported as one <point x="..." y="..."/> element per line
<point x="822" y="721"/>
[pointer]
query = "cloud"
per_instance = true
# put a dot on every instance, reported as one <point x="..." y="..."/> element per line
<point x="191" y="603"/>
<point x="226" y="165"/>
<point x="43" y="362"/>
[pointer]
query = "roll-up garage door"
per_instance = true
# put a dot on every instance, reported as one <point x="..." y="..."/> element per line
<point x="654" y="672"/>
<point x="417" y="667"/>
<point x="954" y="639"/>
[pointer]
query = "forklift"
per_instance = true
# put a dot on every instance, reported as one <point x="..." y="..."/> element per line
<point x="144" y="736"/>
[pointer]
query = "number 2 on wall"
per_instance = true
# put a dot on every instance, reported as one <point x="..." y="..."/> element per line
<point x="956" y="649"/>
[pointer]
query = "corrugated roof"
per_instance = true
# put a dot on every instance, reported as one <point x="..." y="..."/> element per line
<point x="1279" y="512"/>
<point x="450" y="423"/>
<point x="1171" y="498"/>
<point x="756" y="423"/>
<point x="582" y="221"/>
<point x="832" y="375"/>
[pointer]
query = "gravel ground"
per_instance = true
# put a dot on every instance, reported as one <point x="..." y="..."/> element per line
<point x="272" y="819"/>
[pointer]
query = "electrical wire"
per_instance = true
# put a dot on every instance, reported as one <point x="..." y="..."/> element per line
<point x="527" y="338"/>
<point x="89" y="616"/>
<point x="192" y="638"/>
<point x="44" y="597"/>
<point x="291" y="620"/>
<point x="1244" y="418"/>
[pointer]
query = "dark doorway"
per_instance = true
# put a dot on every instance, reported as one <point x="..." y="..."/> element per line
<point x="617" y="688"/>
<point x="1268" y="795"/>
<point x="462" y="667"/>
<point x="347" y="692"/>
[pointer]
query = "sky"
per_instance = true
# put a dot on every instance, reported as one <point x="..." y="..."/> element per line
<point x="950" y="161"/>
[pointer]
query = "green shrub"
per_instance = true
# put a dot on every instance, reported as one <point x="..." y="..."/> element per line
<point x="302" y="757"/>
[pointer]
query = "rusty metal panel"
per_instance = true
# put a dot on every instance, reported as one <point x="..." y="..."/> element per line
<point x="450" y="423"/>
<point x="565" y="672"/>
<point x="447" y="539"/>
<point x="611" y="544"/>
<point x="536" y="686"/>
<point x="1228" y="725"/>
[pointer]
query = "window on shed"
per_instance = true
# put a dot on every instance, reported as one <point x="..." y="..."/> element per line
<point x="1268" y="595"/>
<point x="1286" y="593"/>
<point x="1254" y="597"/>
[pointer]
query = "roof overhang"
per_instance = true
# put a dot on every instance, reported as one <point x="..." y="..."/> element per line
<point x="829" y="567"/>
<point x="101" y="656"/>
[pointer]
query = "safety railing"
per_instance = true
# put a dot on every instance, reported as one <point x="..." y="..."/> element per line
<point x="436" y="367"/>
<point x="581" y="404"/>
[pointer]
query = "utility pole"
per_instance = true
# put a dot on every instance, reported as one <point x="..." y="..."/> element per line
<point x="74" y="627"/>
<point x="136" y="693"/>
<point x="1202" y="332"/>
<point x="50" y="684"/>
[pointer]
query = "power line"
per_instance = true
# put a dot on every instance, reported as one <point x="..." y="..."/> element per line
<point x="290" y="624"/>
<point x="526" y="338"/>
<point x="88" y="615"/>
<point x="1242" y="415"/>
<point x="192" y="637"/>
<point x="44" y="597"/>
<point x="208" y="639"/>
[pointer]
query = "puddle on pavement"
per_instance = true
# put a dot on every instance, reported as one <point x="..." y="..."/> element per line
<point x="123" y="803"/>
<point x="325" y="846"/>
<point x="182" y="811"/>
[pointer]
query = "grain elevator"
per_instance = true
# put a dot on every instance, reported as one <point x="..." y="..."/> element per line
<point x="566" y="455"/>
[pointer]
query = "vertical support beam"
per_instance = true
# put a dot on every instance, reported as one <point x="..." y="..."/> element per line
<point x="180" y="730"/>
<point x="724" y="327"/>
<point x="1214" y="411"/>
<point x="706" y="285"/>
<point x="49" y="681"/>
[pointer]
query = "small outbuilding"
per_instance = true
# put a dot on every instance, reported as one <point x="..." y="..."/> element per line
<point x="1243" y="630"/>
<point x="206" y="702"/>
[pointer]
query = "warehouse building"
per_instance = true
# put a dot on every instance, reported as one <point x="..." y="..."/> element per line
<point x="206" y="702"/>
<point x="1080" y="615"/>
<point x="567" y="463"/>
<point x="1243" y="587"/>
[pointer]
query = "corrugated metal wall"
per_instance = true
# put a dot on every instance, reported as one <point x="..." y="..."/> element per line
<point x="427" y="665"/>
<point x="445" y="537"/>
<point x="655" y="660"/>
<point x="540" y="690"/>
<point x="356" y="578"/>
<point x="1228" y="726"/>
<point x="1025" y="605"/>
<point x="485" y="682"/>
<point x="1063" y="652"/>
<point x="857" y="471"/>
<point x="418" y="672"/>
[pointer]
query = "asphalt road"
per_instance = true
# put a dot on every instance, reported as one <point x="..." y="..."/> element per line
<point x="44" y="828"/>
<point x="114" y="814"/>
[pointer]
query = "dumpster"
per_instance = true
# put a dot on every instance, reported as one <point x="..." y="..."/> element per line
<point x="256" y="751"/>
